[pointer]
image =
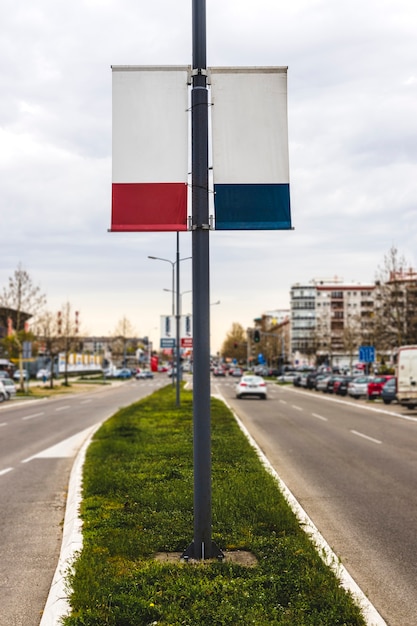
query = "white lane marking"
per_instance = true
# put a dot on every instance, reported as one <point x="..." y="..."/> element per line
<point x="320" y="417"/>
<point x="355" y="432"/>
<point x="85" y="401"/>
<point x="283" y="402"/>
<point x="29" y="417"/>
<point x="6" y="471"/>
<point x="297" y="408"/>
<point x="63" y="408"/>
<point x="3" y="424"/>
<point x="64" y="449"/>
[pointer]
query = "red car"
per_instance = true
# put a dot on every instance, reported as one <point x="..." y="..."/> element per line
<point x="375" y="386"/>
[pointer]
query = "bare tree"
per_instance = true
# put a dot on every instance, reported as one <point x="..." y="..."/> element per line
<point x="352" y="336"/>
<point x="395" y="299"/>
<point x="123" y="332"/>
<point x="48" y="329"/>
<point x="23" y="300"/>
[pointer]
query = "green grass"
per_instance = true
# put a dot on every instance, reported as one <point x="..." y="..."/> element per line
<point x="138" y="500"/>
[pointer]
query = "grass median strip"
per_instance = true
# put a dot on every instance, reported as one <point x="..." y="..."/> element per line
<point x="138" y="501"/>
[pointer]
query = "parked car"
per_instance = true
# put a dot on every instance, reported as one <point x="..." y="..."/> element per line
<point x="322" y="382"/>
<point x="144" y="374"/>
<point x="251" y="386"/>
<point x="317" y="379"/>
<point x="311" y="380"/>
<point x="302" y="380"/>
<point x="273" y="371"/>
<point x="342" y="388"/>
<point x="332" y="383"/>
<point x="123" y="373"/>
<point x="375" y="386"/>
<point x="287" y="377"/>
<point x="358" y="387"/>
<point x="297" y="380"/>
<point x="389" y="391"/>
<point x="9" y="386"/>
<point x="3" y="393"/>
<point x="16" y="375"/>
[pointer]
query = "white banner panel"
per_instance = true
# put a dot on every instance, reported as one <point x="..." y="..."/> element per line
<point x="250" y="125"/>
<point x="250" y="148"/>
<point x="150" y="124"/>
<point x="150" y="148"/>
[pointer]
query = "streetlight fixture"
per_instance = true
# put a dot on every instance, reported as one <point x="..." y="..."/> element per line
<point x="181" y="295"/>
<point x="175" y="265"/>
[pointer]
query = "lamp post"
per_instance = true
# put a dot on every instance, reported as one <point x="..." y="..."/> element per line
<point x="175" y="265"/>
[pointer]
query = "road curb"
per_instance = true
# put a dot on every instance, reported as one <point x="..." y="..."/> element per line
<point x="372" y="617"/>
<point x="57" y="606"/>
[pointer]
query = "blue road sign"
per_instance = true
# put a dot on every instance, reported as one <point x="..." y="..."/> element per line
<point x="367" y="354"/>
<point x="167" y="342"/>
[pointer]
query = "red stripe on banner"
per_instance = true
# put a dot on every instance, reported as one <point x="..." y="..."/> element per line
<point x="140" y="207"/>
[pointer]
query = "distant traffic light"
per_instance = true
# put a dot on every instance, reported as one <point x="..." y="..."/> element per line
<point x="256" y="336"/>
<point x="235" y="345"/>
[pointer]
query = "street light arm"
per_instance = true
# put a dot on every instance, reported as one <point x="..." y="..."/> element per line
<point x="158" y="258"/>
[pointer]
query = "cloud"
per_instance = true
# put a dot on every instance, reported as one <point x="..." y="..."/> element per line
<point x="352" y="131"/>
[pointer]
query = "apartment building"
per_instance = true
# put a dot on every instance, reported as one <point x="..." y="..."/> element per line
<point x="329" y="320"/>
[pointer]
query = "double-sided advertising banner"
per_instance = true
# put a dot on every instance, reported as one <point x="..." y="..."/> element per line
<point x="151" y="147"/>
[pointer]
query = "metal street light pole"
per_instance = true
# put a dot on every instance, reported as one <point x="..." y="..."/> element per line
<point x="202" y="546"/>
<point x="175" y="291"/>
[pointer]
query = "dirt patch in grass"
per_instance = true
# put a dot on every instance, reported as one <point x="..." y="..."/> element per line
<point x="240" y="557"/>
<point x="44" y="391"/>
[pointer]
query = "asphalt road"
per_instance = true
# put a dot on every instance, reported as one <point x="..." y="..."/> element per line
<point x="353" y="469"/>
<point x="38" y="443"/>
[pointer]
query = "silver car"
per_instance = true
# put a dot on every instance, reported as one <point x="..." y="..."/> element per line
<point x="358" y="387"/>
<point x="251" y="385"/>
<point x="9" y="386"/>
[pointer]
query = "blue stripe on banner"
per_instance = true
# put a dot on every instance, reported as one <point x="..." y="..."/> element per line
<point x="252" y="207"/>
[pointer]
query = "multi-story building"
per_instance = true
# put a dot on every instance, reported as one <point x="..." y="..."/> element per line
<point x="329" y="320"/>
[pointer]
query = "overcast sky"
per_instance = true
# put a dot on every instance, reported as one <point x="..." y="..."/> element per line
<point x="352" y="106"/>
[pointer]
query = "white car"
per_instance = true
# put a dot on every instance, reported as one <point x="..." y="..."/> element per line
<point x="3" y="393"/>
<point x="9" y="387"/>
<point x="358" y="387"/>
<point x="251" y="385"/>
<point x="288" y="377"/>
<point x="16" y="375"/>
<point x="144" y="374"/>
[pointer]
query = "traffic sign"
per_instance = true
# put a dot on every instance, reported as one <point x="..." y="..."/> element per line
<point x="367" y="354"/>
<point x="167" y="343"/>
